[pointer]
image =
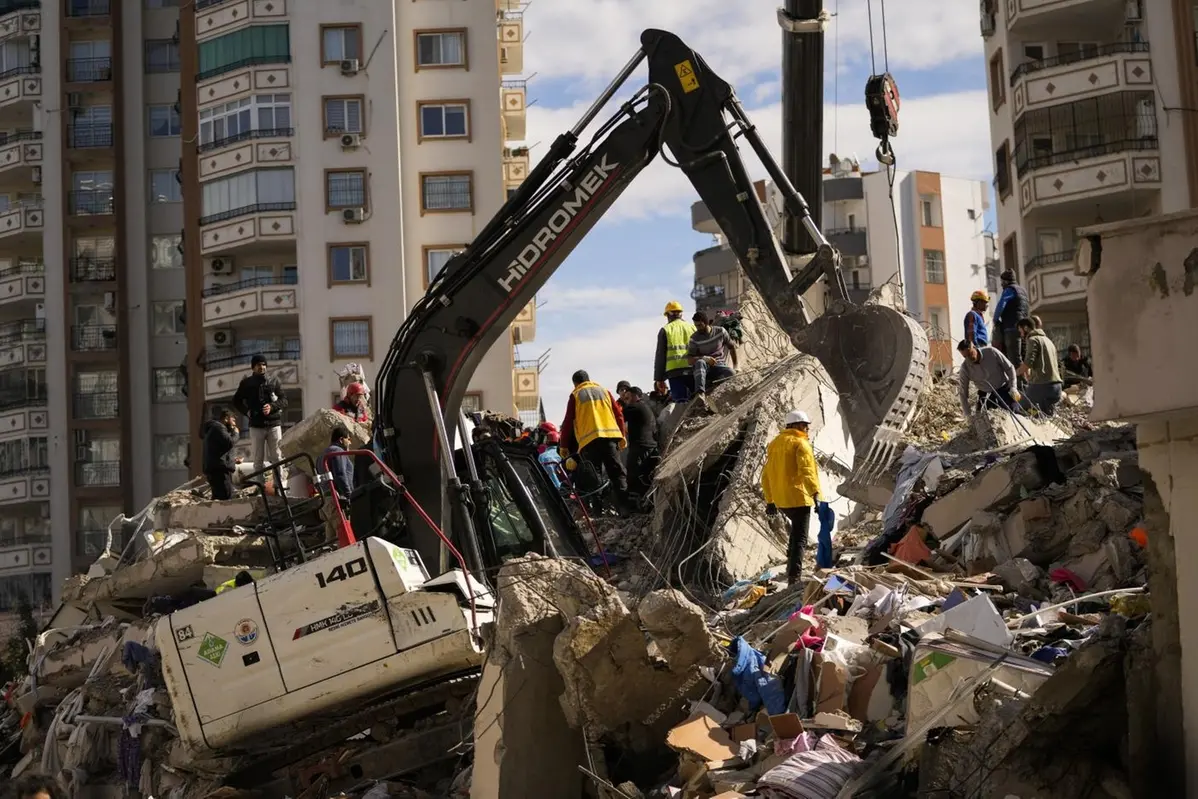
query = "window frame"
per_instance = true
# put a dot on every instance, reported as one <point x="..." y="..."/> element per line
<point x="222" y="112"/>
<point x="349" y="245"/>
<point x="998" y="81"/>
<point x="333" y="322"/>
<point x="360" y="99"/>
<point x="257" y="174"/>
<point x="154" y="310"/>
<point x="468" y="136"/>
<point x="174" y="121"/>
<point x="482" y="405"/>
<point x="176" y="439"/>
<point x="172" y="60"/>
<point x="251" y="59"/>
<point x="1003" y="175"/>
<point x="429" y="248"/>
<point x="176" y="240"/>
<point x="157" y="373"/>
<point x="469" y="173"/>
<point x="363" y="171"/>
<point x="462" y="32"/>
<point x="170" y="174"/>
<point x="943" y="281"/>
<point x="355" y="27"/>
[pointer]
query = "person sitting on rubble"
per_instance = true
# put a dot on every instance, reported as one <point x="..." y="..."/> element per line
<point x="993" y="376"/>
<point x="354" y="405"/>
<point x="35" y="788"/>
<point x="1039" y="367"/>
<point x="790" y="483"/>
<point x="219" y="435"/>
<point x="975" y="319"/>
<point x="340" y="467"/>
<point x="1076" y="367"/>
<point x="712" y="356"/>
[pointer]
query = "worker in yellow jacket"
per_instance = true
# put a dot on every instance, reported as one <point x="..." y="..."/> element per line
<point x="790" y="483"/>
<point x="594" y="430"/>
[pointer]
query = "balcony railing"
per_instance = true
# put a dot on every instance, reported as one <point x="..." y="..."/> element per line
<point x="843" y="231"/>
<point x="12" y="400"/>
<point x="515" y="83"/>
<point x="96" y="405"/>
<point x="22" y="470"/>
<point x="97" y="473"/>
<point x="21" y="135"/>
<point x="251" y="283"/>
<point x="89" y="136"/>
<point x="246" y="210"/>
<point x="202" y="4"/>
<point x="88" y="8"/>
<point x="90" y="202"/>
<point x="23" y="268"/>
<point x="1029" y="67"/>
<point x="224" y="360"/>
<point x="1048" y="259"/>
<point x="93" y="270"/>
<point x="1025" y="164"/>
<point x="93" y="338"/>
<point x="89" y="70"/>
<point x="24" y="69"/>
<point x="244" y="62"/>
<point x="9" y="6"/>
<point x="246" y="135"/>
<point x="22" y="330"/>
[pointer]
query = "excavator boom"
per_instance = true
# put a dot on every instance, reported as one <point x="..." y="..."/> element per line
<point x="876" y="356"/>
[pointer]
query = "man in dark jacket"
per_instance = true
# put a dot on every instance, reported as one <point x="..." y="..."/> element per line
<point x="261" y="398"/>
<point x="341" y="468"/>
<point x="219" y="436"/>
<point x="1012" y="306"/>
<point x="643" y="454"/>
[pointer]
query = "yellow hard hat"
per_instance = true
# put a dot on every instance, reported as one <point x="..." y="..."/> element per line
<point x="979" y="295"/>
<point x="673" y="305"/>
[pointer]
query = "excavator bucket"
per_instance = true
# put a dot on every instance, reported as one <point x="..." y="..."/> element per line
<point x="878" y="359"/>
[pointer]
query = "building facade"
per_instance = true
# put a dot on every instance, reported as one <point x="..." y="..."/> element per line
<point x="186" y="184"/>
<point x="1091" y="122"/>
<point x="935" y="229"/>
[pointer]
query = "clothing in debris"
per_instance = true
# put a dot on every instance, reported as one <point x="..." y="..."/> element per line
<point x="1044" y="383"/>
<point x="754" y="683"/>
<point x="217" y="461"/>
<point x="550" y="460"/>
<point x="670" y="363"/>
<point x="827" y="520"/>
<point x="991" y="373"/>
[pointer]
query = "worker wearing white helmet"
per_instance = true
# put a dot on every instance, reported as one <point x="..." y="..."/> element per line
<point x="790" y="483"/>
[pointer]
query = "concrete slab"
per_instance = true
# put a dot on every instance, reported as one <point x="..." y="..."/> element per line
<point x="995" y="488"/>
<point x="311" y="436"/>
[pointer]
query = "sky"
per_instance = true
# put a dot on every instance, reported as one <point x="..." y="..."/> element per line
<point x="602" y="309"/>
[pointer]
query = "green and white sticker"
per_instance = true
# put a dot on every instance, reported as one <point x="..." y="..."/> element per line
<point x="212" y="649"/>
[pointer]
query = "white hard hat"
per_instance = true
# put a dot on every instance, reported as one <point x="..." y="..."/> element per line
<point x="794" y="417"/>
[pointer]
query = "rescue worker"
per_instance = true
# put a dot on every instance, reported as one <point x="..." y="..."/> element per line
<point x="547" y="453"/>
<point x="241" y="578"/>
<point x="993" y="376"/>
<point x="1077" y="369"/>
<point x="790" y="483"/>
<point x="217" y="461"/>
<point x="594" y="428"/>
<point x="712" y="356"/>
<point x="642" y="442"/>
<point x="354" y="405"/>
<point x="1039" y="367"/>
<point x="670" y="364"/>
<point x="341" y="468"/>
<point x="975" y="320"/>
<point x="622" y="394"/>
<point x="1012" y="306"/>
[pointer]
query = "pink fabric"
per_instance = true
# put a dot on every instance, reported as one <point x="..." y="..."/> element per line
<point x="793" y="746"/>
<point x="1069" y="578"/>
<point x="813" y="638"/>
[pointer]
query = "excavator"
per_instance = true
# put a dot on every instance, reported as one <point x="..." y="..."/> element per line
<point x="364" y="632"/>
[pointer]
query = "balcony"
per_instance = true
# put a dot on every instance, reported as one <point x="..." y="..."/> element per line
<point x="1054" y="285"/>
<point x="93" y="338"/>
<point x="19" y="88"/>
<point x="222" y="87"/>
<point x="1051" y="259"/>
<point x="515" y="166"/>
<point x="254" y="298"/>
<point x="526" y="385"/>
<point x="20" y="150"/>
<point x="244" y="151"/>
<point x="84" y="9"/>
<point x="1024" y="16"/>
<point x="524" y="327"/>
<point x="97" y="474"/>
<point x="843" y="189"/>
<point x="89" y="137"/>
<point x="511" y="43"/>
<point x="93" y="270"/>
<point x="849" y="240"/>
<point x="717" y="260"/>
<point x="216" y="18"/>
<point x="1081" y="177"/>
<point x="21" y="221"/>
<point x="30" y="484"/>
<point x="251" y="227"/>
<point x="21" y="416"/>
<point x="92" y="405"/>
<point x="713" y="298"/>
<point x="223" y="371"/>
<point x="1119" y="67"/>
<point x="90" y="202"/>
<point x="22" y="343"/>
<point x="514" y="109"/>
<point x="702" y="221"/>
<point x="25" y="281"/>
<point x="89" y="70"/>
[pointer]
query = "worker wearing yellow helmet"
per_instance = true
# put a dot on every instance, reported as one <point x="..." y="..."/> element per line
<point x="976" y="332"/>
<point x="670" y="363"/>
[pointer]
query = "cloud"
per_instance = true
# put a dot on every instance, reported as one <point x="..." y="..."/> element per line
<point x="590" y="41"/>
<point x="947" y="133"/>
<point x="560" y="299"/>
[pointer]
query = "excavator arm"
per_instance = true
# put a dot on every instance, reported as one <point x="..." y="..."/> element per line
<point x="689" y="111"/>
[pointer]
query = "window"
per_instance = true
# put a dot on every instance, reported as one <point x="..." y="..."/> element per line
<point x="21" y="454"/>
<point x="435" y="259"/>
<point x="448" y="120"/>
<point x="164" y="121"/>
<point x="162" y="3"/>
<point x="164" y="252"/>
<point x="169" y="385"/>
<point x="273" y="111"/>
<point x="933" y="266"/>
<point x="264" y="189"/>
<point x="472" y="402"/>
<point x="168" y="318"/>
<point x="164" y="188"/>
<point x="447" y="192"/>
<point x="238" y="119"/>
<point x="1002" y="170"/>
<point x="998" y="81"/>
<point x="348" y="264"/>
<point x="345" y="189"/>
<point x="258" y="44"/>
<point x="937" y="330"/>
<point x="170" y="452"/>
<point x="162" y="55"/>
<point x="342" y="115"/>
<point x="440" y="49"/>
<point x="340" y="42"/>
<point x="1034" y="52"/>
<point x="350" y="338"/>
<point x="927" y="211"/>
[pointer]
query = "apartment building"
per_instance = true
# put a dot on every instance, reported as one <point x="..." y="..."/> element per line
<point x="1091" y="121"/>
<point x="935" y="229"/>
<point x="183" y="185"/>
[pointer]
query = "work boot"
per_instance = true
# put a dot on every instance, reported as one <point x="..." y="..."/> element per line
<point x="700" y="402"/>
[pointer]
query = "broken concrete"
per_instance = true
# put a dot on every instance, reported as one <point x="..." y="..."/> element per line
<point x="312" y="435"/>
<point x="996" y="488"/>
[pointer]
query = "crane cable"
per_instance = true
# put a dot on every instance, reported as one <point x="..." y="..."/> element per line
<point x="885" y="152"/>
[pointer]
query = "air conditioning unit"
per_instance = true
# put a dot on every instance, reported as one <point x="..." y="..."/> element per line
<point x="220" y="339"/>
<point x="37" y="174"/>
<point x="82" y="453"/>
<point x="353" y="216"/>
<point x="351" y="141"/>
<point x="350" y="66"/>
<point x="74" y="100"/>
<point x="110" y="300"/>
<point x="221" y="266"/>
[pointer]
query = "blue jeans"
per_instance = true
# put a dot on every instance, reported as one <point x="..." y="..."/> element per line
<point x="681" y="387"/>
<point x="707" y="375"/>
<point x="1044" y="396"/>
